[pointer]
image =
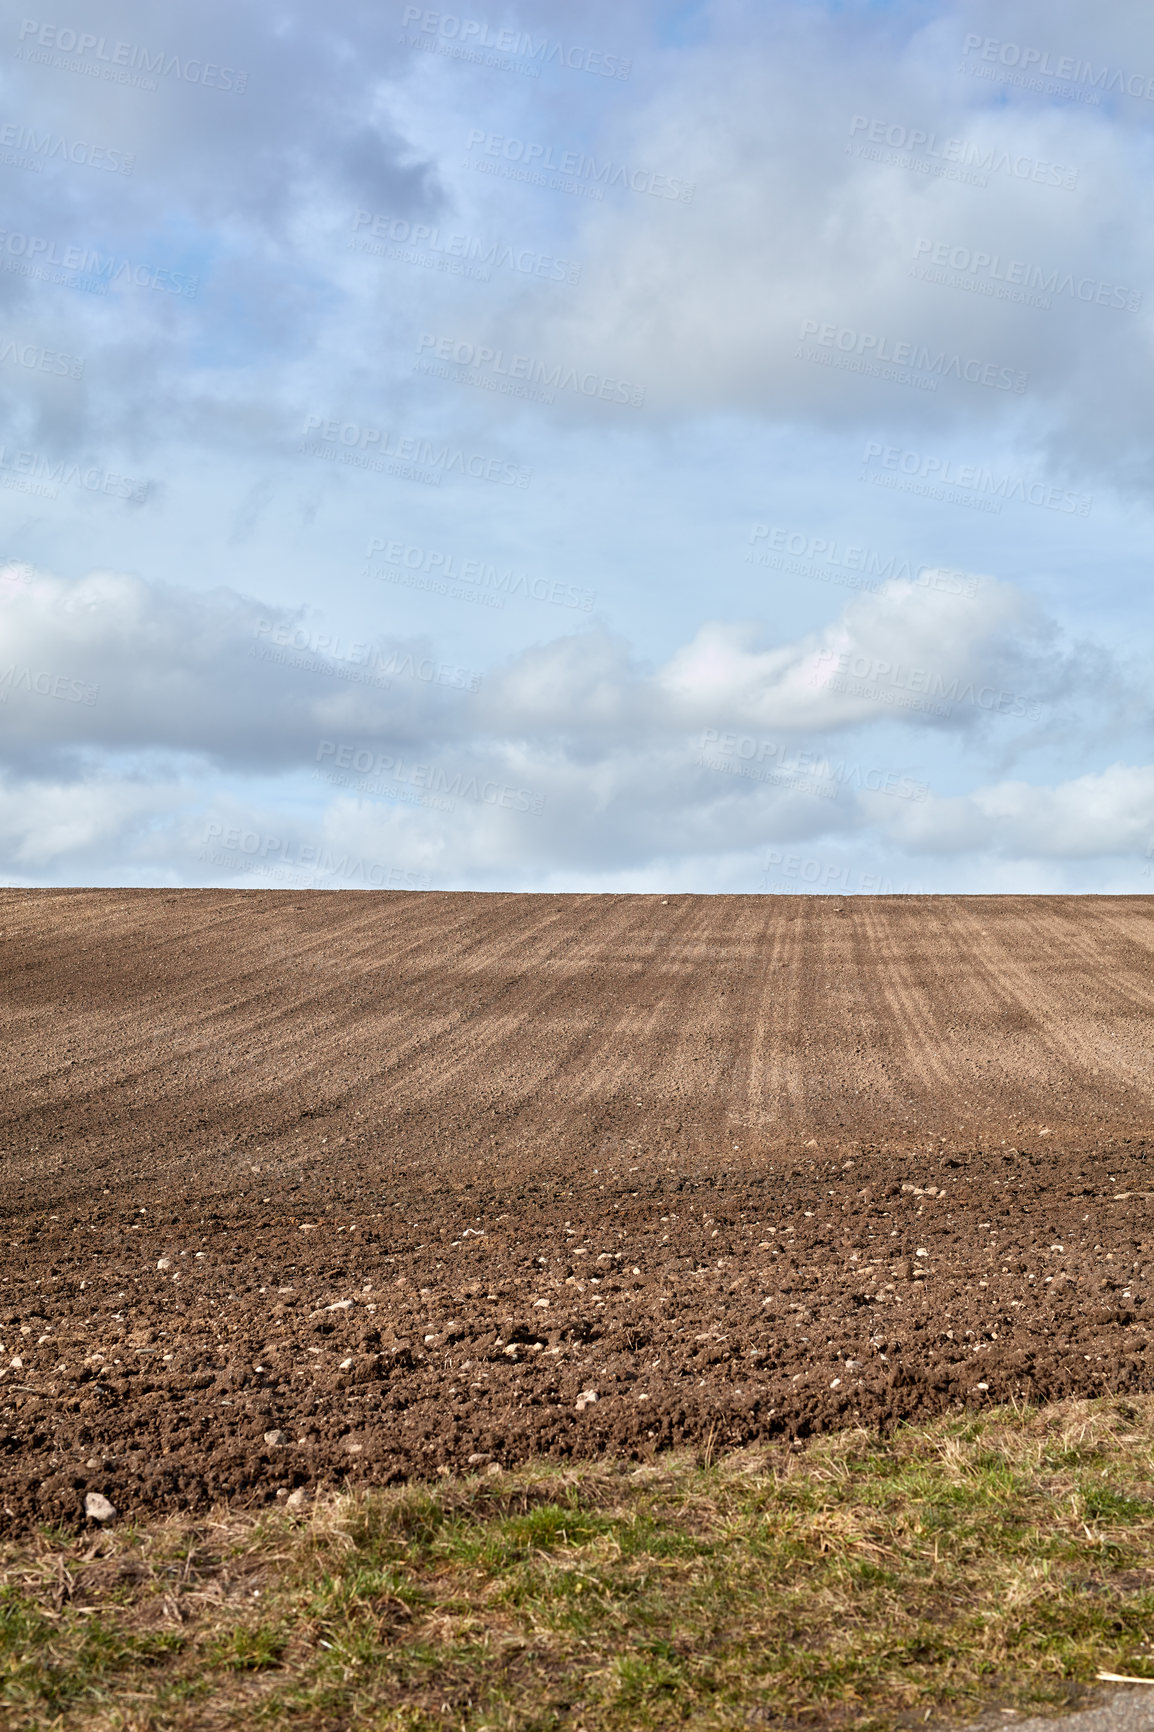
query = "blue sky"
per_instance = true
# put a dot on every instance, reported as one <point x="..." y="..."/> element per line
<point x="666" y="447"/>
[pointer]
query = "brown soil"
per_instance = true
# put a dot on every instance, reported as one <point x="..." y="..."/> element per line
<point x="402" y="1176"/>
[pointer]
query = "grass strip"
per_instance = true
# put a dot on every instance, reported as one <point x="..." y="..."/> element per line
<point x="855" y="1582"/>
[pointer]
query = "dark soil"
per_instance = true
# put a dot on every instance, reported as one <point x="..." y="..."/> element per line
<point x="402" y="1177"/>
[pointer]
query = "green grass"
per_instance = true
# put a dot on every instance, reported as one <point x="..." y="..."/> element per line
<point x="855" y="1583"/>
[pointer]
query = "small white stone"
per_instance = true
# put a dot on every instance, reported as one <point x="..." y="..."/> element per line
<point x="275" y="1438"/>
<point x="163" y="1263"/>
<point x="298" y="1498"/>
<point x="347" y="1364"/>
<point x="586" y="1398"/>
<point x="921" y="1252"/>
<point x="836" y="1384"/>
<point x="98" y="1507"/>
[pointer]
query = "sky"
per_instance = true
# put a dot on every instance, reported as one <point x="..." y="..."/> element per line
<point x="638" y="447"/>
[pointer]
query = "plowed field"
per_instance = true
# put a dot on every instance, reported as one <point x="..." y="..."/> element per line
<point x="427" y="1181"/>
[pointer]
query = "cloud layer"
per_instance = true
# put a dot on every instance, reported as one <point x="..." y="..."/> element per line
<point x="529" y="449"/>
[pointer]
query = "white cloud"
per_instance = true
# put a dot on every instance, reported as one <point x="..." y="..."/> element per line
<point x="908" y="652"/>
<point x="571" y="755"/>
<point x="810" y="231"/>
<point x="1108" y="812"/>
<point x="79" y="825"/>
<point x="114" y="663"/>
